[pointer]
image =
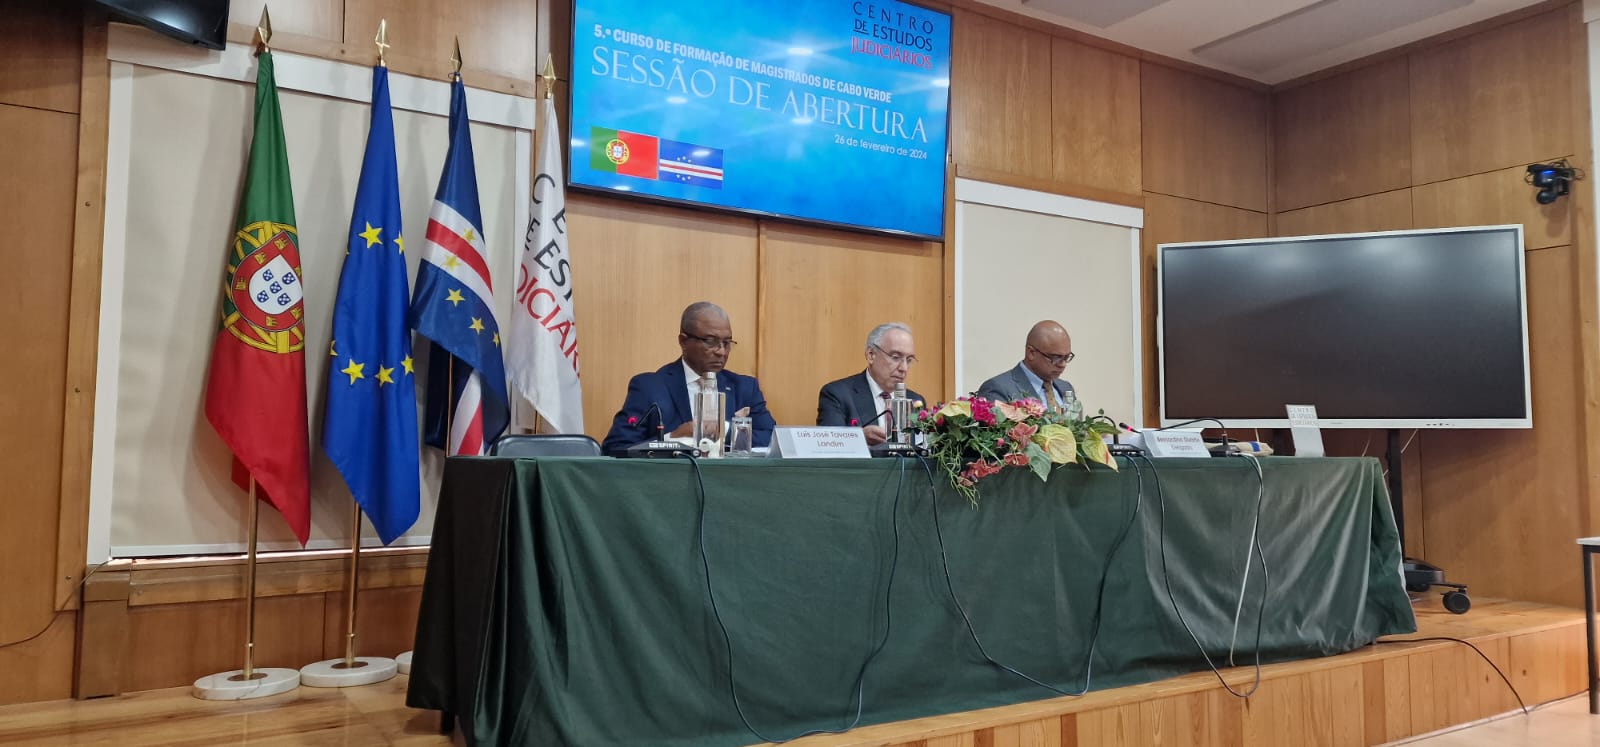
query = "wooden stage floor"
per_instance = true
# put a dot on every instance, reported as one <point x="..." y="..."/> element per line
<point x="1379" y="694"/>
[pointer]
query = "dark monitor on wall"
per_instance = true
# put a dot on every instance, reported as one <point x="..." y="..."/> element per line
<point x="199" y="22"/>
<point x="1400" y="329"/>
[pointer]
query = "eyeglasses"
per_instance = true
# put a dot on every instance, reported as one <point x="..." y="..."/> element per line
<point x="1058" y="360"/>
<point x="713" y="343"/>
<point x="897" y="358"/>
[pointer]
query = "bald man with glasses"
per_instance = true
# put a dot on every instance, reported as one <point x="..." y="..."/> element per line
<point x="1038" y="376"/>
<point x="858" y="399"/>
<point x="660" y="398"/>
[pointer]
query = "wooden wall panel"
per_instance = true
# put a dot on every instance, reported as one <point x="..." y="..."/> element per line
<point x="1342" y="137"/>
<point x="1500" y="507"/>
<point x="1495" y="197"/>
<point x="39" y="208"/>
<point x="1385" y="211"/>
<point x="1170" y="219"/>
<point x="1493" y="100"/>
<point x="496" y="35"/>
<point x="822" y="291"/>
<point x="40" y="669"/>
<point x="386" y="621"/>
<point x="1203" y="139"/>
<point x="635" y="267"/>
<point x="1000" y="96"/>
<point x="317" y="19"/>
<point x="1095" y="117"/>
<point x="174" y="644"/>
<point x="40" y="55"/>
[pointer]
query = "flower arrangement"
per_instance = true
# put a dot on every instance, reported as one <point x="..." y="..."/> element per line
<point x="973" y="438"/>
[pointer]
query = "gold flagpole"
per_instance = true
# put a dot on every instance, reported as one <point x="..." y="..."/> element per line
<point x="264" y="35"/>
<point x="549" y="77"/>
<point x="250" y="682"/>
<point x="249" y="671"/>
<point x="355" y="522"/>
<point x="449" y="402"/>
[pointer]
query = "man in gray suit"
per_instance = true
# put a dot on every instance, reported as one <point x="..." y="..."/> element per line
<point x="857" y="400"/>
<point x="1038" y="376"/>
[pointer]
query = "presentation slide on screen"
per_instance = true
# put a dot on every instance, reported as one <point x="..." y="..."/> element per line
<point x="826" y="110"/>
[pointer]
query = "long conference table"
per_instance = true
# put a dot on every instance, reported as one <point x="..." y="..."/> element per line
<point x="570" y="601"/>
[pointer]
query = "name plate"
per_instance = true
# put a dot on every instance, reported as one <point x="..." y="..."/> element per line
<point x="1180" y="444"/>
<point x="1305" y="430"/>
<point x="814" y="442"/>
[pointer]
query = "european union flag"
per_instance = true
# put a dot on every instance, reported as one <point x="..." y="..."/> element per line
<point x="454" y="307"/>
<point x="370" y="430"/>
<point x="694" y="165"/>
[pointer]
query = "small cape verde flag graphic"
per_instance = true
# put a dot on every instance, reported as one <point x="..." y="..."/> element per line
<point x="694" y="165"/>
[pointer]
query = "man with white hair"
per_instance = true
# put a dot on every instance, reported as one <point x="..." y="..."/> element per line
<point x="861" y="398"/>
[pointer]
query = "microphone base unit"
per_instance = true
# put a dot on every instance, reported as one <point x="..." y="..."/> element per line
<point x="891" y="449"/>
<point x="658" y="450"/>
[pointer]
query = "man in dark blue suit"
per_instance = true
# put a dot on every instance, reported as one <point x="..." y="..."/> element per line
<point x="858" y="399"/>
<point x="706" y="337"/>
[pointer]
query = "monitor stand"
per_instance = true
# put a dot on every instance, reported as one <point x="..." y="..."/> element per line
<point x="1420" y="576"/>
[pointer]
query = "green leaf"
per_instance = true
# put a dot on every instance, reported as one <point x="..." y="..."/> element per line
<point x="1095" y="450"/>
<point x="1038" y="461"/>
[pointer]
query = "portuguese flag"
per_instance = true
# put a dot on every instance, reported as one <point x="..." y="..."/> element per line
<point x="256" y="388"/>
<point x="626" y="153"/>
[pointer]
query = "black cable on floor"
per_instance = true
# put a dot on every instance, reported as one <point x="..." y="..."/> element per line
<point x="1479" y="652"/>
<point x="861" y="676"/>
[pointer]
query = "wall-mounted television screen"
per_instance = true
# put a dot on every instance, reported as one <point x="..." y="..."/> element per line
<point x="201" y="22"/>
<point x="1400" y="329"/>
<point x="830" y="111"/>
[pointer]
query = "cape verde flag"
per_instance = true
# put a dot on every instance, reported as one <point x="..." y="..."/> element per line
<point x="454" y="308"/>
<point x="687" y="163"/>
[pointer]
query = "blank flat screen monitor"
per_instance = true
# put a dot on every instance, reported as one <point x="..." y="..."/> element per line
<point x="1400" y="329"/>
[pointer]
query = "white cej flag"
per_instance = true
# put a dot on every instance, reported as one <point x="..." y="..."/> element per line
<point x="542" y="353"/>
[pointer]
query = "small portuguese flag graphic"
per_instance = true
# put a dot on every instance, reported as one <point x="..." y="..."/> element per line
<point x="626" y="153"/>
<point x="256" y="388"/>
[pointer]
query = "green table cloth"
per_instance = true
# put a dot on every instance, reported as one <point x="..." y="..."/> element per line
<point x="567" y="600"/>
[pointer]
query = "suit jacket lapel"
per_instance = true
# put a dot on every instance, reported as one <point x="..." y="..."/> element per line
<point x="678" y="389"/>
<point x="861" y="393"/>
<point x="725" y="384"/>
<point x="1023" y="385"/>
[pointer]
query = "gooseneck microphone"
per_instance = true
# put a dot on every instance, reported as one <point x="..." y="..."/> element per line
<point x="660" y="426"/>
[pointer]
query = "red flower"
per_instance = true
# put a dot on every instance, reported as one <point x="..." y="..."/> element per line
<point x="1000" y="443"/>
<point x="984" y="468"/>
<point x="633" y="420"/>
<point x="1017" y="459"/>
<point x="982" y="411"/>
<point x="1021" y="432"/>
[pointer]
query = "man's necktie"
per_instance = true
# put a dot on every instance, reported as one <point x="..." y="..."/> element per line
<point x="1050" y="400"/>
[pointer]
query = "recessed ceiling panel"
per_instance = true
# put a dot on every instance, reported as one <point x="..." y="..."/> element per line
<point x="1318" y="28"/>
<point x="1097" y="13"/>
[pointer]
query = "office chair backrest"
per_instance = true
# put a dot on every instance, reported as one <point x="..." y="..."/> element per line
<point x="545" y="445"/>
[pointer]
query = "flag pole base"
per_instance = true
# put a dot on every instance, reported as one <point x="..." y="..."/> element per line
<point x="333" y="672"/>
<point x="403" y="663"/>
<point x="233" y="686"/>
